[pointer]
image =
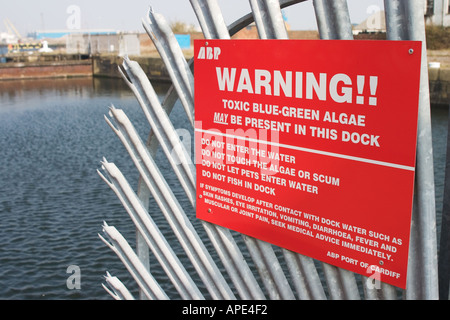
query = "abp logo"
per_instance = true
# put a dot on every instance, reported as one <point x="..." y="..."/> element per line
<point x="209" y="53"/>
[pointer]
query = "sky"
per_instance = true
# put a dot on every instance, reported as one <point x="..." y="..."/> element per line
<point x="29" y="16"/>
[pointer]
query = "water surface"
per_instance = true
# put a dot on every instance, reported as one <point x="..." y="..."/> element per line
<point x="52" y="202"/>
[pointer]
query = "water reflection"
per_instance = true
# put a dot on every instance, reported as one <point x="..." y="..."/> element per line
<point x="19" y="88"/>
<point x="15" y="91"/>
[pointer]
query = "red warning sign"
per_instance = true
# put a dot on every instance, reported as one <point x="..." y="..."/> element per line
<point x="310" y="145"/>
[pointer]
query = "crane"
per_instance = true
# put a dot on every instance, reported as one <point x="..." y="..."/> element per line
<point x="11" y="28"/>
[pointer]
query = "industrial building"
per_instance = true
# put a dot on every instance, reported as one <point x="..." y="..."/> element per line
<point x="119" y="44"/>
<point x="437" y="12"/>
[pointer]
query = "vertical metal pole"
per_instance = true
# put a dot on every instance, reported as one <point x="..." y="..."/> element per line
<point x="322" y="18"/>
<point x="269" y="19"/>
<point x="270" y="25"/>
<point x="395" y="24"/>
<point x="210" y="18"/>
<point x="341" y="19"/>
<point x="142" y="249"/>
<point x="444" y="248"/>
<point x="405" y="21"/>
<point x="213" y="26"/>
<point x="424" y="218"/>
<point x="333" y="19"/>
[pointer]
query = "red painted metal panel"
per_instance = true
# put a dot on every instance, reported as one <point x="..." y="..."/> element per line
<point x="310" y="145"/>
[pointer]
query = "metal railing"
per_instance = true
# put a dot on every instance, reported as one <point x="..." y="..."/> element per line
<point x="255" y="270"/>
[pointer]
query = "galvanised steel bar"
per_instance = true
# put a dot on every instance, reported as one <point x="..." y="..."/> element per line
<point x="374" y="289"/>
<point x="270" y="25"/>
<point x="332" y="278"/>
<point x="119" y="291"/>
<point x="341" y="19"/>
<point x="426" y="208"/>
<point x="210" y="18"/>
<point x="333" y="19"/>
<point x="172" y="94"/>
<point x="396" y="28"/>
<point x="171" y="208"/>
<point x="162" y="128"/>
<point x="275" y="282"/>
<point x="405" y="21"/>
<point x="142" y="249"/>
<point x="269" y="19"/>
<point x="172" y="55"/>
<point x="349" y="284"/>
<point x="234" y="262"/>
<point x="122" y="249"/>
<point x="305" y="277"/>
<point x="224" y="243"/>
<point x="341" y="283"/>
<point x="155" y="240"/>
<point x="323" y="21"/>
<point x="271" y="272"/>
<point x="444" y="243"/>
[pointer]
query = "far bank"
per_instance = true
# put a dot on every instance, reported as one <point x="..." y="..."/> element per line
<point x="29" y="67"/>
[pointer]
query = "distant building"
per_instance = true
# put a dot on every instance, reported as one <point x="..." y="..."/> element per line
<point x="437" y="12"/>
<point x="119" y="44"/>
<point x="58" y="34"/>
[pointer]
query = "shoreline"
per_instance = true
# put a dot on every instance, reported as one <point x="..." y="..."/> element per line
<point x="106" y="66"/>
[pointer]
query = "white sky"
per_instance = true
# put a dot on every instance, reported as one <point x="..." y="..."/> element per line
<point x="29" y="16"/>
